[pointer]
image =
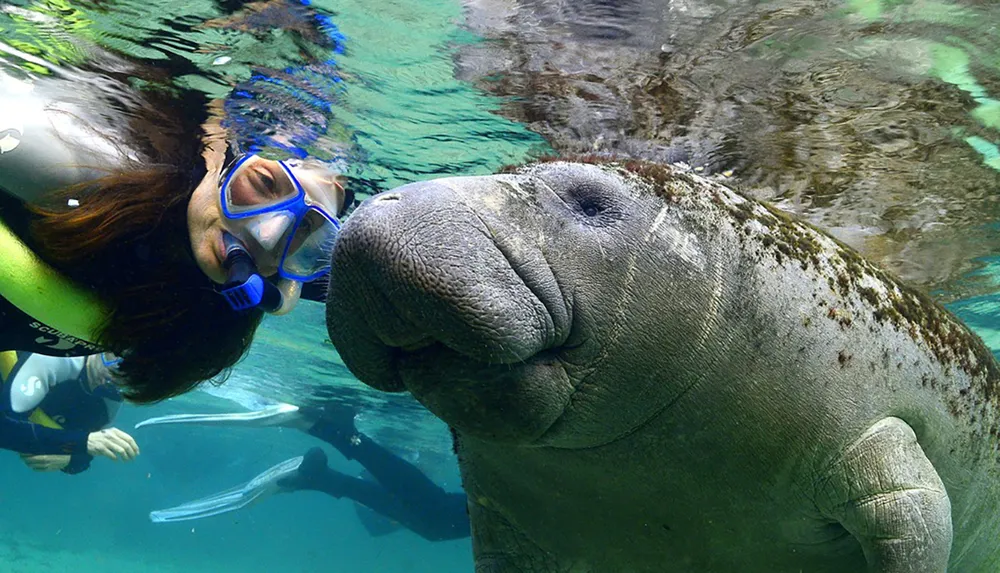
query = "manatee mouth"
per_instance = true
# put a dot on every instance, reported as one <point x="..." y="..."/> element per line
<point x="498" y="376"/>
<point x="543" y="323"/>
<point x="433" y="282"/>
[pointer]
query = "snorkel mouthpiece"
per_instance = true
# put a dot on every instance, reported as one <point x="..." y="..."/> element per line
<point x="245" y="288"/>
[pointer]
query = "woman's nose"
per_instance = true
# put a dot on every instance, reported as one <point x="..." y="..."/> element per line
<point x="269" y="231"/>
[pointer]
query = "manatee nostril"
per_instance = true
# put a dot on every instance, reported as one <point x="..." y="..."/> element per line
<point x="387" y="197"/>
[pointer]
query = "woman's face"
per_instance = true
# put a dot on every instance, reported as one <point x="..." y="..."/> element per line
<point x="206" y="222"/>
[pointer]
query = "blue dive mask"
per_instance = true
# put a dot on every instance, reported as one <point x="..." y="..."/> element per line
<point x="283" y="214"/>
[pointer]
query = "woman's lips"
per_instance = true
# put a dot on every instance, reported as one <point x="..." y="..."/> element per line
<point x="220" y="257"/>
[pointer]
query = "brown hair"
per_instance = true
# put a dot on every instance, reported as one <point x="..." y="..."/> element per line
<point x="128" y="241"/>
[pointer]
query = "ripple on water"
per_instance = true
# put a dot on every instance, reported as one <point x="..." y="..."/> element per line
<point x="873" y="119"/>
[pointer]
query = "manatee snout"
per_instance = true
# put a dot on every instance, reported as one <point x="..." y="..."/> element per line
<point x="422" y="284"/>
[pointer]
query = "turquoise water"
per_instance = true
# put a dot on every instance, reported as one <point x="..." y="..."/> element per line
<point x="875" y="120"/>
<point x="423" y="96"/>
<point x="97" y="521"/>
<point x="409" y="118"/>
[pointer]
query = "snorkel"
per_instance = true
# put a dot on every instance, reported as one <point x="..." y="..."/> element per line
<point x="244" y="287"/>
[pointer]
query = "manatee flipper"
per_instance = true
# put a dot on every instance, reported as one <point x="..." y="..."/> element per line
<point x="884" y="491"/>
<point x="498" y="547"/>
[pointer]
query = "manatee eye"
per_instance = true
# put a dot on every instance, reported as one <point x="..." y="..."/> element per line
<point x="590" y="199"/>
<point x="593" y="205"/>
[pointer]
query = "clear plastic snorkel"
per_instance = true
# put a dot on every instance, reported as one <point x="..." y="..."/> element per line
<point x="278" y="214"/>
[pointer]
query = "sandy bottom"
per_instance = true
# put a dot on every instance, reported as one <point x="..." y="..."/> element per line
<point x="29" y="558"/>
<point x="19" y="557"/>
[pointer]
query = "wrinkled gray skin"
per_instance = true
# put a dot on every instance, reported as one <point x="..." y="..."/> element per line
<point x="649" y="375"/>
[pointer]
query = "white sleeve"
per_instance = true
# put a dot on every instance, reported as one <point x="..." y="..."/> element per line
<point x="37" y="376"/>
<point x="48" y="137"/>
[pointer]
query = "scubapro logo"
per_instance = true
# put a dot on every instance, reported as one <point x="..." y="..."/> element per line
<point x="58" y="340"/>
<point x="10" y="136"/>
<point x="55" y="343"/>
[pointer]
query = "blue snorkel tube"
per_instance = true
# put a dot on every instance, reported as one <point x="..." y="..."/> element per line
<point x="245" y="288"/>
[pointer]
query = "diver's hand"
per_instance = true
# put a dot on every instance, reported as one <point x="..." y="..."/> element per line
<point x="112" y="443"/>
<point x="46" y="463"/>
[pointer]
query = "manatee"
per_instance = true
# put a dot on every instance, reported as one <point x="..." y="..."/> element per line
<point x="647" y="371"/>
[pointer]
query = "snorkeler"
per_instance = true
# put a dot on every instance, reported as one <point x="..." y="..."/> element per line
<point x="394" y="490"/>
<point x="57" y="412"/>
<point x="128" y="227"/>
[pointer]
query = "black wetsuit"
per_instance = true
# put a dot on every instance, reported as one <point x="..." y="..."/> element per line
<point x="52" y="410"/>
<point x="18" y="331"/>
<point x="400" y="492"/>
<point x="56" y="136"/>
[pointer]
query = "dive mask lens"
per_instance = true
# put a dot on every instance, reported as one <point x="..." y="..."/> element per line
<point x="282" y="212"/>
<point x="270" y="231"/>
<point x="308" y="252"/>
<point x="253" y="185"/>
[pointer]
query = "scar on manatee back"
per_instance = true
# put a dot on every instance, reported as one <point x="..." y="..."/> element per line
<point x="908" y="309"/>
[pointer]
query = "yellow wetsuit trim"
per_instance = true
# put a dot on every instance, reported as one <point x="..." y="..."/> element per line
<point x="41" y="292"/>
<point x="8" y="359"/>
<point x="42" y="419"/>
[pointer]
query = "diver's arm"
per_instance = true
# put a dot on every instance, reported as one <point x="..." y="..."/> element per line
<point x="25" y="437"/>
<point x="47" y="462"/>
<point x="112" y="398"/>
<point x="28" y="388"/>
<point x="105" y="440"/>
<point x="36" y="376"/>
<point x="111" y="443"/>
<point x="78" y="463"/>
